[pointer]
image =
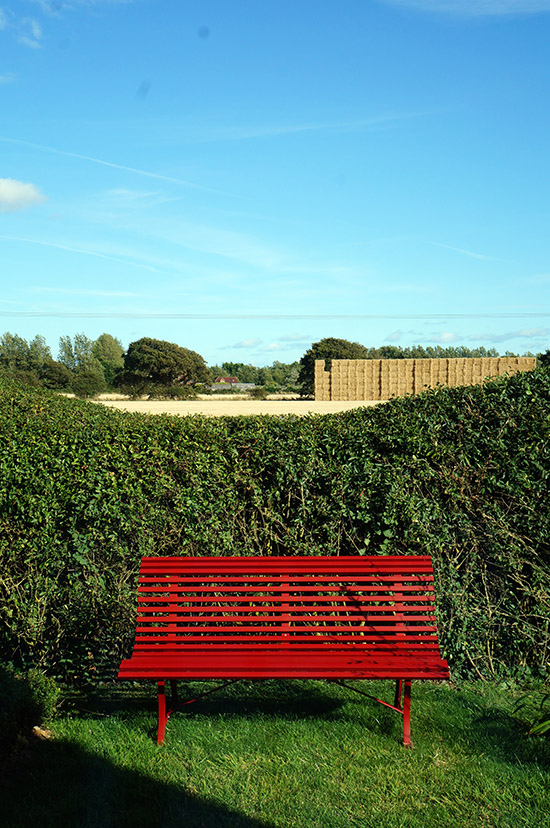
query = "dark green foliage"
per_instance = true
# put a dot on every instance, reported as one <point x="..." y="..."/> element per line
<point x="279" y="375"/>
<point x="431" y="352"/>
<point x="26" y="378"/>
<point x="258" y="393"/>
<point x="24" y="361"/>
<point x="327" y="349"/>
<point x="55" y="375"/>
<point x="25" y="700"/>
<point x="109" y="352"/>
<point x="77" y="352"/>
<point x="461" y="474"/>
<point x="172" y="392"/>
<point x="88" y="381"/>
<point x="537" y="707"/>
<point x="157" y="362"/>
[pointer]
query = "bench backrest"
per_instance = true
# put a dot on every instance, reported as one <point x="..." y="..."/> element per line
<point x="287" y="601"/>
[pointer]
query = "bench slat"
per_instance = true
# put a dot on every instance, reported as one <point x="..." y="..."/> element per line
<point x="375" y="644"/>
<point x="252" y="664"/>
<point x="246" y="629"/>
<point x="328" y="593"/>
<point x="284" y="563"/>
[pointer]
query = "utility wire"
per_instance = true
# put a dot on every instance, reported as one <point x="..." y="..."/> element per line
<point x="107" y="315"/>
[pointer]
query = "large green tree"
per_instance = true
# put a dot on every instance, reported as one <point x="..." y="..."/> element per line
<point x="39" y="354"/>
<point x="110" y="353"/>
<point x="14" y="352"/>
<point x="153" y="362"/>
<point x="87" y="373"/>
<point x="76" y="352"/>
<point x="327" y="349"/>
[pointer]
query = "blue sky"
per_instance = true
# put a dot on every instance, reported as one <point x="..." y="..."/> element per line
<point x="247" y="177"/>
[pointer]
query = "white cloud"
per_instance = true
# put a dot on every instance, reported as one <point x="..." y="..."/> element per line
<point x="394" y="336"/>
<point x="16" y="195"/>
<point x="475" y="8"/>
<point x="445" y="337"/>
<point x="52" y="7"/>
<point x="246" y="343"/>
<point x="30" y="33"/>
<point x="299" y="338"/>
<point x="9" y="78"/>
<point x="3" y="19"/>
<point x="523" y="333"/>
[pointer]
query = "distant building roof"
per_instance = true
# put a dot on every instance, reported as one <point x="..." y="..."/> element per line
<point x="227" y="380"/>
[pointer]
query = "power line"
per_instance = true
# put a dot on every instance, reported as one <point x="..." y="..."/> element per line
<point x="310" y="316"/>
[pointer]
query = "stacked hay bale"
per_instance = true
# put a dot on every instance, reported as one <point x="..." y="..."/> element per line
<point x="381" y="379"/>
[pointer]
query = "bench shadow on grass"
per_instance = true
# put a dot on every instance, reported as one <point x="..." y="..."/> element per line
<point x="296" y="699"/>
<point x="60" y="785"/>
<point x="290" y="700"/>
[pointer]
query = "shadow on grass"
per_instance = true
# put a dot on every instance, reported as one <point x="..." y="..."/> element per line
<point x="289" y="699"/>
<point x="471" y="721"/>
<point x="58" y="784"/>
<point x="505" y="737"/>
<point x="294" y="700"/>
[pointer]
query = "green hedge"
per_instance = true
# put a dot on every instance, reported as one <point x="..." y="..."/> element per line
<point x="26" y="700"/>
<point x="458" y="473"/>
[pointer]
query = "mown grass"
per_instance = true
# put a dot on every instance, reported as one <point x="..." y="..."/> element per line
<point x="272" y="754"/>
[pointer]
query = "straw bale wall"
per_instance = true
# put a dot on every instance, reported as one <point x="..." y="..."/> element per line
<point x="381" y="379"/>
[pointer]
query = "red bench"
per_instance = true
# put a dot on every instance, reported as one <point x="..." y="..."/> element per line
<point x="286" y="617"/>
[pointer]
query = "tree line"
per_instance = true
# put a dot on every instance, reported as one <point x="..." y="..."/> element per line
<point x="158" y="368"/>
<point x="151" y="367"/>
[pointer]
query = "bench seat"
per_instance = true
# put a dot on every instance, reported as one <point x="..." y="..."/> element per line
<point x="251" y="664"/>
<point x="365" y="617"/>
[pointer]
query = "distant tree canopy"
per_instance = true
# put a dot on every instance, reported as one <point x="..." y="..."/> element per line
<point x="110" y="353"/>
<point x="327" y="349"/>
<point x="431" y="352"/>
<point x="87" y="373"/>
<point x="281" y="374"/>
<point x="16" y="354"/>
<point x="154" y="362"/>
<point x="75" y="352"/>
<point x="31" y="362"/>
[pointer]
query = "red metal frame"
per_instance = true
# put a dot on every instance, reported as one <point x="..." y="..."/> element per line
<point x="286" y="617"/>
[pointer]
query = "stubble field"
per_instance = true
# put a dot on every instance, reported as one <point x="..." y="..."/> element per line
<point x="223" y="406"/>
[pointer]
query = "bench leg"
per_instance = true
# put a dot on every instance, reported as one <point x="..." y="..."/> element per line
<point x="402" y="703"/>
<point x="398" y="693"/>
<point x="163" y="717"/>
<point x="407" y="714"/>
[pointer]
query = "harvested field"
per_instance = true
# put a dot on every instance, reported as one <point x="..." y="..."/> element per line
<point x="222" y="406"/>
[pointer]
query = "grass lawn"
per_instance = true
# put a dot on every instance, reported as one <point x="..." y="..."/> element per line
<point x="281" y="754"/>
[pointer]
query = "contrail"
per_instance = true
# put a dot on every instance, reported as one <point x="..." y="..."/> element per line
<point x="134" y="170"/>
<point x="314" y="316"/>
<point x="80" y="250"/>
